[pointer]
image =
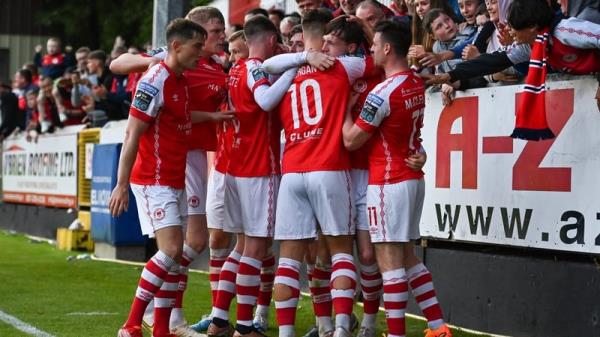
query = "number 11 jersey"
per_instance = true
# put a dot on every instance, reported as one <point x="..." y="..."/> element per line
<point x="312" y="113"/>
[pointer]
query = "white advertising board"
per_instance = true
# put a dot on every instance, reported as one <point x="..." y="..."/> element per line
<point x="485" y="187"/>
<point x="43" y="172"/>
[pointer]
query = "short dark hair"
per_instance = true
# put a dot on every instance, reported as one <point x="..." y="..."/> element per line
<point x="431" y="16"/>
<point x="33" y="91"/>
<point x="278" y="12"/>
<point x="529" y="13"/>
<point x="295" y="30"/>
<point x="98" y="55"/>
<point x="397" y="34"/>
<point x="349" y="31"/>
<point x="183" y="29"/>
<point x="203" y="14"/>
<point x="258" y="11"/>
<point x="26" y="73"/>
<point x="258" y="25"/>
<point x="315" y="21"/>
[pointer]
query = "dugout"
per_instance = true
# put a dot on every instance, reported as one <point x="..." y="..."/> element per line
<point x="511" y="229"/>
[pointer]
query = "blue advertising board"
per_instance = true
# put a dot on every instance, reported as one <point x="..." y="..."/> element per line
<point x="120" y="231"/>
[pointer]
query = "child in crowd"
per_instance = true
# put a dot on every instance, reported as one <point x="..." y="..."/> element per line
<point x="55" y="62"/>
<point x="32" y="122"/>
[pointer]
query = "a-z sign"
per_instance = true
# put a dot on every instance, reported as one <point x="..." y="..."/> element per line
<point x="484" y="186"/>
<point x="42" y="173"/>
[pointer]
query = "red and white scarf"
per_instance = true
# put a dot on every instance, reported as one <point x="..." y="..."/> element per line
<point x="531" y="123"/>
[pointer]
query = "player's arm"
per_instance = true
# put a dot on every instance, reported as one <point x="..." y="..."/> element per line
<point x="205" y="116"/>
<point x="119" y="199"/>
<point x="137" y="63"/>
<point x="282" y="62"/>
<point x="359" y="67"/>
<point x="357" y="133"/>
<point x="267" y="95"/>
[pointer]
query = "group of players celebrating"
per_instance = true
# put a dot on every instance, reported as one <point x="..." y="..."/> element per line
<point x="349" y="175"/>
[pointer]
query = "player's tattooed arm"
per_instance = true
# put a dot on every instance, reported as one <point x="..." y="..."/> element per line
<point x="280" y="63"/>
<point x="119" y="199"/>
<point x="132" y="63"/>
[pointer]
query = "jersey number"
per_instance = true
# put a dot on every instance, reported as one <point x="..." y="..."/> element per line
<point x="316" y="89"/>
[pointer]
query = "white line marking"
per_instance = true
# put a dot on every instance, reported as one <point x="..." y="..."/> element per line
<point x="93" y="313"/>
<point x="22" y="326"/>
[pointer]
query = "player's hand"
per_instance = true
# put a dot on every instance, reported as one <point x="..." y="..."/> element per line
<point x="353" y="98"/>
<point x="504" y="36"/>
<point x="119" y="200"/>
<point x="470" y="52"/>
<point x="505" y="77"/>
<point x="416" y="161"/>
<point x="431" y="60"/>
<point x="319" y="60"/>
<point x="38" y="48"/>
<point x="438" y="79"/>
<point x="416" y="51"/>
<point x="221" y="116"/>
<point x="598" y="98"/>
<point x="447" y="94"/>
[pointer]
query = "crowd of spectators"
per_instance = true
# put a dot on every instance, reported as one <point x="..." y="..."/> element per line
<point x="456" y="45"/>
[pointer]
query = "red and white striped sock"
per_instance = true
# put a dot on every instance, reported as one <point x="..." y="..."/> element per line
<point x="288" y="274"/>
<point x="321" y="295"/>
<point x="226" y="291"/>
<point x="247" y="286"/>
<point x="343" y="299"/>
<point x="267" y="275"/>
<point x="371" y="284"/>
<point x="164" y="301"/>
<point x="216" y="260"/>
<point x="187" y="257"/>
<point x="152" y="278"/>
<point x="421" y="284"/>
<point x="395" y="296"/>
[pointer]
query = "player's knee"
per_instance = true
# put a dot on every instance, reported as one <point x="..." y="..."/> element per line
<point x="173" y="251"/>
<point x="198" y="243"/>
<point x="281" y="292"/>
<point x="367" y="257"/>
<point x="341" y="282"/>
<point x="219" y="239"/>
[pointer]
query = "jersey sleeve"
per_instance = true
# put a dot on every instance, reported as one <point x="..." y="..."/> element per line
<point x="578" y="33"/>
<point x="374" y="111"/>
<point x="355" y="67"/>
<point x="147" y="101"/>
<point x="256" y="75"/>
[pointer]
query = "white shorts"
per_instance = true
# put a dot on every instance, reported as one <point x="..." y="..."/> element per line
<point x="159" y="207"/>
<point x="215" y="200"/>
<point x="250" y="205"/>
<point x="311" y="198"/>
<point x="195" y="181"/>
<point x="394" y="211"/>
<point x="360" y="181"/>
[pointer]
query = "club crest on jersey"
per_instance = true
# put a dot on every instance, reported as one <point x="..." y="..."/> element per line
<point x="144" y="94"/>
<point x="372" y="104"/>
<point x="159" y="214"/>
<point x="360" y="86"/>
<point x="258" y="74"/>
<point x="193" y="201"/>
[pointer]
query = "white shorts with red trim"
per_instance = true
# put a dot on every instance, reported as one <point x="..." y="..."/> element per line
<point x="159" y="207"/>
<point x="215" y="200"/>
<point x="394" y="211"/>
<point x="195" y="181"/>
<point x="250" y="205"/>
<point x="311" y="199"/>
<point x="360" y="181"/>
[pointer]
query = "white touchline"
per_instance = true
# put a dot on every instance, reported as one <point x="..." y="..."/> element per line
<point x="20" y="325"/>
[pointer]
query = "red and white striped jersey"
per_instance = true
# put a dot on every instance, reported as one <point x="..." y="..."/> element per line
<point x="255" y="146"/>
<point x="393" y="111"/>
<point x="312" y="113"/>
<point x="161" y="99"/>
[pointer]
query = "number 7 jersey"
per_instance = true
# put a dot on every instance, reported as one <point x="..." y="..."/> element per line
<point x="312" y="113"/>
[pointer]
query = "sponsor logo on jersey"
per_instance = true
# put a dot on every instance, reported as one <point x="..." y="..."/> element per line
<point x="144" y="94"/>
<point x="372" y="104"/>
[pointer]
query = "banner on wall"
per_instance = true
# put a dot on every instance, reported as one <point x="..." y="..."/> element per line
<point x="485" y="187"/>
<point x="41" y="173"/>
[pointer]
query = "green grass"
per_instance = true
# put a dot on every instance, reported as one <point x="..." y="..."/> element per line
<point x="40" y="287"/>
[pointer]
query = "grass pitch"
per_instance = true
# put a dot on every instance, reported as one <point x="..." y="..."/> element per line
<point x="86" y="298"/>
